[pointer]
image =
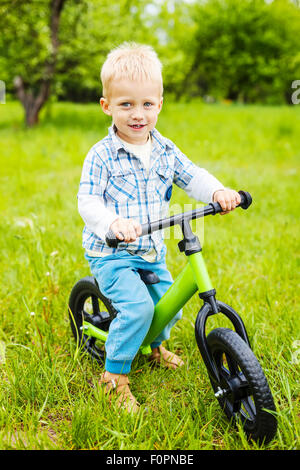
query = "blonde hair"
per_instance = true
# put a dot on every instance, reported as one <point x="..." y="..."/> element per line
<point x="131" y="61"/>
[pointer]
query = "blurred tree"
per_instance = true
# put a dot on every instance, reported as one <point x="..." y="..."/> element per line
<point x="30" y="45"/>
<point x="247" y="51"/>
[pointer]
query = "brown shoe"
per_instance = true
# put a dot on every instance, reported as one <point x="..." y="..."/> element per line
<point x="119" y="384"/>
<point x="166" y="358"/>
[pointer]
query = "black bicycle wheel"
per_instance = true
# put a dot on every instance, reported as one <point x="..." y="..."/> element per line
<point x="243" y="391"/>
<point x="87" y="303"/>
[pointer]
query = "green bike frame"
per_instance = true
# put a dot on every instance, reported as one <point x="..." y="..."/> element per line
<point x="194" y="277"/>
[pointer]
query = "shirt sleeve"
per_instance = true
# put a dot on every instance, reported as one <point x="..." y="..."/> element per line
<point x="92" y="185"/>
<point x="197" y="182"/>
<point x="94" y="175"/>
<point x="95" y="215"/>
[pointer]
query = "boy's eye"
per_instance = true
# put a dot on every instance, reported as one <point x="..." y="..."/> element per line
<point x="147" y="104"/>
<point x="125" y="104"/>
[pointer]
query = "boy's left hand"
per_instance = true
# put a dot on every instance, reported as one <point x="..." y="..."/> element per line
<point x="228" y="199"/>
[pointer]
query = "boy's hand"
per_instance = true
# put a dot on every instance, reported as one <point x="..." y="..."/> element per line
<point x="126" y="229"/>
<point x="228" y="199"/>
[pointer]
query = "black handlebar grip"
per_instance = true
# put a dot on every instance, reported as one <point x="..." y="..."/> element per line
<point x="246" y="199"/>
<point x="111" y="239"/>
<point x="216" y="207"/>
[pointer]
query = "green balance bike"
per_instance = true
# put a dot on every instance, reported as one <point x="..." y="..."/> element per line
<point x="237" y="379"/>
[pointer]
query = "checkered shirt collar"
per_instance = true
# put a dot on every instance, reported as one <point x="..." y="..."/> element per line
<point x="159" y="143"/>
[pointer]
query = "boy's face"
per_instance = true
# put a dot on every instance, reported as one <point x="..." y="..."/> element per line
<point x="134" y="107"/>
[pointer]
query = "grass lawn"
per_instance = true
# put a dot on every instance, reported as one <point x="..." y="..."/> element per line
<point x="49" y="398"/>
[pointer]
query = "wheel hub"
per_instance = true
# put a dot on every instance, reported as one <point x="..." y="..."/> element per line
<point x="235" y="387"/>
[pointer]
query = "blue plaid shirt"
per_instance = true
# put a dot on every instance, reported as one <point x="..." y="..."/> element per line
<point x="120" y="179"/>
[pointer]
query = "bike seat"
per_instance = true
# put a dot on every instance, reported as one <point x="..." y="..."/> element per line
<point x="148" y="277"/>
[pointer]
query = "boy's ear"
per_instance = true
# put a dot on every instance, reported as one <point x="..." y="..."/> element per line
<point x="160" y="105"/>
<point x="105" y="106"/>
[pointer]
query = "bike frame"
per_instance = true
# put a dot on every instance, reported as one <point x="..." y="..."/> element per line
<point x="194" y="277"/>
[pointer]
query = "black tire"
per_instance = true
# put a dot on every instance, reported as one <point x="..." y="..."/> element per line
<point x="87" y="303"/>
<point x="243" y="391"/>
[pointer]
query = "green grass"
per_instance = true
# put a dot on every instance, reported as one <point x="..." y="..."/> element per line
<point x="49" y="398"/>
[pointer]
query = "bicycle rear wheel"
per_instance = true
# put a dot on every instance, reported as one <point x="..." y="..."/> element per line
<point x="243" y="391"/>
<point x="87" y="303"/>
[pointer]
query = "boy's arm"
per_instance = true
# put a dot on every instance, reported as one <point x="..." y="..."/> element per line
<point x="90" y="196"/>
<point x="203" y="185"/>
<point x="206" y="188"/>
<point x="91" y="207"/>
<point x="100" y="220"/>
<point x="95" y="215"/>
<point x="199" y="184"/>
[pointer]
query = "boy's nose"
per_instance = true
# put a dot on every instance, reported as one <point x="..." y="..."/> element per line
<point x="137" y="114"/>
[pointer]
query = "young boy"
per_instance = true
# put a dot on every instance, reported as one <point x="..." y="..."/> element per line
<point x="127" y="180"/>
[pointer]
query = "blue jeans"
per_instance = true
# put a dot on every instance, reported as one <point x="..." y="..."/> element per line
<point x="134" y="301"/>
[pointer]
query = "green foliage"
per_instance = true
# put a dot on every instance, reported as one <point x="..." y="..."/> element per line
<point x="24" y="41"/>
<point x="245" y="50"/>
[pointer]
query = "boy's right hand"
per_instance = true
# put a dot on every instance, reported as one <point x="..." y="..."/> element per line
<point x="126" y="229"/>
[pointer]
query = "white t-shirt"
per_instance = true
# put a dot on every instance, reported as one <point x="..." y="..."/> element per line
<point x="143" y="151"/>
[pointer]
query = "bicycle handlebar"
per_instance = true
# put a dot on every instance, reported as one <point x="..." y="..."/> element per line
<point x="211" y="209"/>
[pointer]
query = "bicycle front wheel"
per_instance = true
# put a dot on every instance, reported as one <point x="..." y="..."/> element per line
<point x="243" y="391"/>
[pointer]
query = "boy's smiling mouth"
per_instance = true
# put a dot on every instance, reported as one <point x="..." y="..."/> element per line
<point x="137" y="126"/>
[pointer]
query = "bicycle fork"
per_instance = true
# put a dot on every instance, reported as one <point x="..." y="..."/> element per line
<point x="210" y="307"/>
